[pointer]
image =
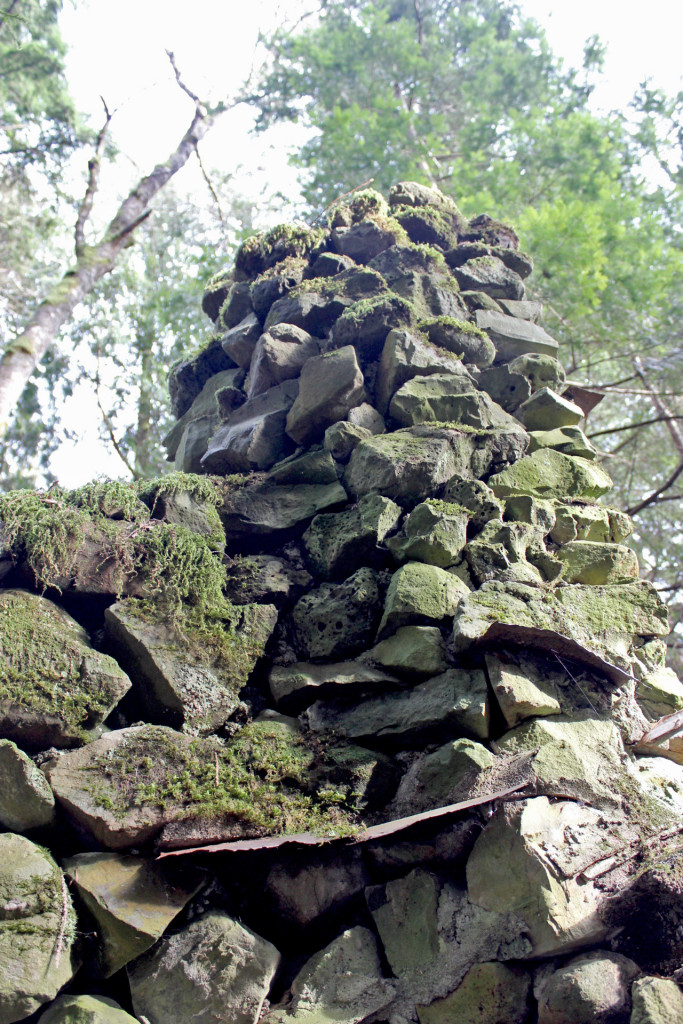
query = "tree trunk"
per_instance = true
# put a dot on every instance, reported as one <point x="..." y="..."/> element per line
<point x="24" y="354"/>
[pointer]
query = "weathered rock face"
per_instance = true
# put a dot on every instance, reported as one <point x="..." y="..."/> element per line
<point x="386" y="685"/>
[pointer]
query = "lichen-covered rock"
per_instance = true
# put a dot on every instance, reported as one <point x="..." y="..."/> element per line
<point x="26" y="800"/>
<point x="37" y="929"/>
<point x="240" y="341"/>
<point x="403" y="466"/>
<point x="507" y="388"/>
<point x="421" y="276"/>
<point x="591" y="562"/>
<point x="337" y="620"/>
<point x="460" y="337"/>
<point x="366" y="324"/>
<point x="581" y="756"/>
<point x="568" y="440"/>
<point x="520" y="695"/>
<point x="417" y="651"/>
<point x="546" y="410"/>
<point x="540" y="369"/>
<point x="329" y="386"/>
<point x="366" y="239"/>
<point x="660" y="693"/>
<point x="342" y="437"/>
<point x="418" y="595"/>
<point x="212" y="969"/>
<point x="55" y="688"/>
<point x="431" y="225"/>
<point x="279" y="355"/>
<point x="511" y="552"/>
<point x="253" y="436"/>
<point x="656" y="1001"/>
<point x="188" y="377"/>
<point x="593" y="988"/>
<point x="269" y="507"/>
<point x="513" y="337"/>
<point x="183" y="686"/>
<point x="549" y="474"/>
<point x="342" y="984"/>
<point x="294" y="687"/>
<point x="456" y="702"/>
<point x="204" y="416"/>
<point x="489" y="274"/>
<point x="594" y="625"/>
<point x="85" y="1010"/>
<point x="509" y="872"/>
<point x="338" y="543"/>
<point x="488" y="992"/>
<point x="441" y="777"/>
<point x="408" y="354"/>
<point x="432" y="935"/>
<point x="446" y="398"/>
<point x="434" y="532"/>
<point x="585" y="521"/>
<point x="132" y="899"/>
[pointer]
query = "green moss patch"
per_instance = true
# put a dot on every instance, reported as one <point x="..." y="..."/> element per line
<point x="265" y="778"/>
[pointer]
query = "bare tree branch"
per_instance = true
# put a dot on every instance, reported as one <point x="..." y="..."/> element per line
<point x="634" y="426"/>
<point x="653" y="497"/>
<point x="85" y="209"/>
<point x="24" y="354"/>
<point x="661" y="407"/>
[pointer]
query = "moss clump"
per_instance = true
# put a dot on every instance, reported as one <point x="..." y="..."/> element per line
<point x="260" y="252"/>
<point x="448" y="508"/>
<point x="265" y="777"/>
<point x="48" y="530"/>
<point x="42" y="655"/>
<point x="389" y="303"/>
<point x="362" y="204"/>
<point x="111" y="499"/>
<point x="202" y="488"/>
<point x="430" y="225"/>
<point x="45" y="529"/>
<point x="435" y="325"/>
<point x="180" y="567"/>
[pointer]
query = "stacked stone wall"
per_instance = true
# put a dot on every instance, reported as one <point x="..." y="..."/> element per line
<point x="362" y="713"/>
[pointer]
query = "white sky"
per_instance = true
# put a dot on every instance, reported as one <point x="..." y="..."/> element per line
<point x="117" y="50"/>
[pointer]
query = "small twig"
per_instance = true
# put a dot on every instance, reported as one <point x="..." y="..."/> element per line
<point x="62" y="925"/>
<point x="108" y="423"/>
<point x="350" y="193"/>
<point x="209" y="185"/>
<point x="660" y="836"/>
<point x="575" y="681"/>
<point x="215" y="761"/>
<point x="193" y="96"/>
<point x="85" y="209"/>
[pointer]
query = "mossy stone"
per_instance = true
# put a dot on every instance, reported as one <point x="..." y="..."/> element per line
<point x="431" y="534"/>
<point x="54" y="687"/>
<point x="488" y="992"/>
<point x="337" y="543"/>
<point x="26" y="800"/>
<point x="597" y="563"/>
<point x="461" y="338"/>
<point x="417" y="651"/>
<point x="231" y="972"/>
<point x="37" y="930"/>
<point x="418" y="595"/>
<point x="85" y="1010"/>
<point x="549" y="474"/>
